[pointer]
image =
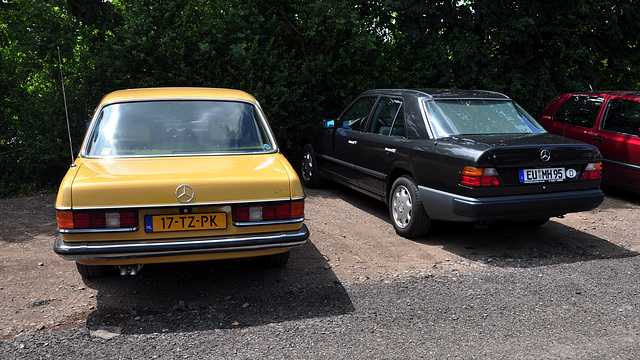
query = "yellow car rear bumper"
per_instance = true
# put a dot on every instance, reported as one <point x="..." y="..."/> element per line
<point x="177" y="250"/>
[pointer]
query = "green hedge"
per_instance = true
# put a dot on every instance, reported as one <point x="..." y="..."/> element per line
<point x="303" y="60"/>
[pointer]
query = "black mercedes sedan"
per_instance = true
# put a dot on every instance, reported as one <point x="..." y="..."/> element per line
<point x="453" y="155"/>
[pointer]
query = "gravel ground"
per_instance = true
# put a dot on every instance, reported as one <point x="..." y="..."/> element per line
<point x="567" y="290"/>
<point x="569" y="311"/>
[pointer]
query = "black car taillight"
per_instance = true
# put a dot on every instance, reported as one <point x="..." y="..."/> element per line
<point x="472" y="176"/>
<point x="593" y="171"/>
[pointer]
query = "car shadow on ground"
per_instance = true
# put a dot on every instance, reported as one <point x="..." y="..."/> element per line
<point x="189" y="297"/>
<point x="505" y="244"/>
<point x="508" y="245"/>
<point x="621" y="198"/>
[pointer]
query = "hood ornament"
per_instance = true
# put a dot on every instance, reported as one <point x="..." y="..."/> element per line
<point x="184" y="193"/>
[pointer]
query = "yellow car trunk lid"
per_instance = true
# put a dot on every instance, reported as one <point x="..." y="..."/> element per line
<point x="143" y="182"/>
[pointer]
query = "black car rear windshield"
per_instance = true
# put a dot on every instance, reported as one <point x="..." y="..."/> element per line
<point x="178" y="127"/>
<point x="482" y="117"/>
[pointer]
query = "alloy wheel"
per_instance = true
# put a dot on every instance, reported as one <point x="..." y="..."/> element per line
<point x="307" y="166"/>
<point x="402" y="206"/>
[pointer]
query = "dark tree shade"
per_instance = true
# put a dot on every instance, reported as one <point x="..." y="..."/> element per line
<point x="303" y="60"/>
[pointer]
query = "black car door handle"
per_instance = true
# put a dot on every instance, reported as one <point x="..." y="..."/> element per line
<point x="598" y="138"/>
<point x="352" y="142"/>
<point x="390" y="150"/>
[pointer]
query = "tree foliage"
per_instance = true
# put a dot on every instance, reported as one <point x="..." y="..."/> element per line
<point x="303" y="60"/>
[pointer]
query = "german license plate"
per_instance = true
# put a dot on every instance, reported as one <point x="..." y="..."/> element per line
<point x="542" y="175"/>
<point x="182" y="222"/>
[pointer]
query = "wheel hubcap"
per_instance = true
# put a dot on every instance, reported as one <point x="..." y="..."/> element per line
<point x="307" y="166"/>
<point x="401" y="206"/>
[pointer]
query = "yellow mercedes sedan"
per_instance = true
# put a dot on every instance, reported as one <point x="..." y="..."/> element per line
<point x="176" y="175"/>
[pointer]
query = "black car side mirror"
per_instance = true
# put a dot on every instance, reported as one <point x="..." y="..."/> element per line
<point x="329" y="124"/>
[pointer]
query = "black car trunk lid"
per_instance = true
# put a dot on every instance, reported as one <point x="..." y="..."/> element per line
<point x="534" y="160"/>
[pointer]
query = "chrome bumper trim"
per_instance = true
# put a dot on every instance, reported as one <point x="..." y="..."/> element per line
<point x="176" y="205"/>
<point x="86" y="251"/>
<point x="96" y="231"/>
<point x="274" y="222"/>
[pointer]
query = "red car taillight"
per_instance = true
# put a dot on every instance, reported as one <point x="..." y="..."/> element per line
<point x="593" y="171"/>
<point x="472" y="176"/>
<point x="69" y="220"/>
<point x="269" y="211"/>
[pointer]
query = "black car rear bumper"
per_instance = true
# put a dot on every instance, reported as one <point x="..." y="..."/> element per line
<point x="446" y="206"/>
<point x="96" y="251"/>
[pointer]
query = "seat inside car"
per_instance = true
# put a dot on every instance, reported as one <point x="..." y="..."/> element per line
<point x="141" y="134"/>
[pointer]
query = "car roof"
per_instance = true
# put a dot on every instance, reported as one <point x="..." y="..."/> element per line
<point x="166" y="93"/>
<point x="442" y="94"/>
<point x="609" y="93"/>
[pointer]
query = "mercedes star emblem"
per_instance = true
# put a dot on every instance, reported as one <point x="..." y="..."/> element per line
<point x="545" y="155"/>
<point x="184" y="193"/>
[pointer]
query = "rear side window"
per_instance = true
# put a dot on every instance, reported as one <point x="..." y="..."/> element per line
<point x="388" y="118"/>
<point x="622" y="116"/>
<point x="579" y="110"/>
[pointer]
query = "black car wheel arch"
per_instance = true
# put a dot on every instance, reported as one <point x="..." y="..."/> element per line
<point x="406" y="209"/>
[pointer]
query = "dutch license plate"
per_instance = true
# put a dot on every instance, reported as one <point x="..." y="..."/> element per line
<point x="181" y="222"/>
<point x="542" y="175"/>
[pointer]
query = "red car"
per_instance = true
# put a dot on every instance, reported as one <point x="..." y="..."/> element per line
<point x="609" y="120"/>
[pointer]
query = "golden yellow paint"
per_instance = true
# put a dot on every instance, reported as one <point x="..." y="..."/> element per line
<point x="148" y="185"/>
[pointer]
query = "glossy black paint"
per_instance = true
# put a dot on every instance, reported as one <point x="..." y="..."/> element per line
<point x="370" y="162"/>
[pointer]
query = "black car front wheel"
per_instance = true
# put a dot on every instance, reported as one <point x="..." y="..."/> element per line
<point x="310" y="176"/>
<point x="405" y="207"/>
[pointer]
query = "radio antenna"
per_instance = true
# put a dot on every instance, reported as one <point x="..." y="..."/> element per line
<point x="64" y="97"/>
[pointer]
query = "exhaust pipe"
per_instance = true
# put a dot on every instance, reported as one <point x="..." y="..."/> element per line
<point x="130" y="269"/>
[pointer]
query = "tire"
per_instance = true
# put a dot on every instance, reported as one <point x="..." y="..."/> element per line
<point x="277" y="260"/>
<point x="309" y="168"/>
<point x="406" y="210"/>
<point x="95" y="271"/>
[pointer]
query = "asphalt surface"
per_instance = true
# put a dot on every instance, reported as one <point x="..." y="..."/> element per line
<point x="582" y="310"/>
<point x="559" y="300"/>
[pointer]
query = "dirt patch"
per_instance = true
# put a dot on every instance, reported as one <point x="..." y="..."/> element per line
<point x="37" y="289"/>
<point x="351" y="237"/>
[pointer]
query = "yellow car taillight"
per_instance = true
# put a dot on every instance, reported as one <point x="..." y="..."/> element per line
<point x="97" y="219"/>
<point x="286" y="210"/>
